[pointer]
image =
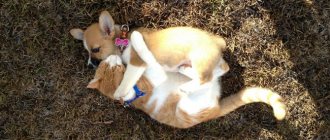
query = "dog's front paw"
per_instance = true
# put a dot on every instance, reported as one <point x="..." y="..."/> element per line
<point x="114" y="60"/>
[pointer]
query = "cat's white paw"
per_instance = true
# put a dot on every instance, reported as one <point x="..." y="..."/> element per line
<point x="119" y="94"/>
<point x="129" y="96"/>
<point x="114" y="60"/>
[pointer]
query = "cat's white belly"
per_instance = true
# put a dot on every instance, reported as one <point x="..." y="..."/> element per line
<point x="191" y="104"/>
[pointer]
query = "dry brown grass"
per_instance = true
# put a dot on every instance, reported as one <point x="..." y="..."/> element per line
<point x="280" y="44"/>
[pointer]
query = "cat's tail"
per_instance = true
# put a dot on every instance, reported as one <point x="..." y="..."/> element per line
<point x="251" y="95"/>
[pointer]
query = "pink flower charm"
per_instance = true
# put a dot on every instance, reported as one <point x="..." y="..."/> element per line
<point x="121" y="42"/>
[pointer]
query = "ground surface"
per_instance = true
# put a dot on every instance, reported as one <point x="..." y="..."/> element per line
<point x="279" y="44"/>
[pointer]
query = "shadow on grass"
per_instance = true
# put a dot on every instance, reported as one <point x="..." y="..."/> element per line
<point x="303" y="27"/>
<point x="232" y="83"/>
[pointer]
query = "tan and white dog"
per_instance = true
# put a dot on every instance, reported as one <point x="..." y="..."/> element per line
<point x="167" y="104"/>
<point x="190" y="51"/>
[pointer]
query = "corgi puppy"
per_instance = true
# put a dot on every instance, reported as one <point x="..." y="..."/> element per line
<point x="167" y="104"/>
<point x="190" y="51"/>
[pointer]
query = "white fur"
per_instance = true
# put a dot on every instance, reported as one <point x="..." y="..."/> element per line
<point x="192" y="85"/>
<point x="214" y="84"/>
<point x="189" y="103"/>
<point x="189" y="71"/>
<point x="159" y="96"/>
<point x="165" y="89"/>
<point x="155" y="74"/>
<point x="192" y="103"/>
<point x="153" y="71"/>
<point x="131" y="76"/>
<point x="113" y="60"/>
<point x="142" y="50"/>
<point x="197" y="101"/>
<point x="126" y="56"/>
<point x="202" y="97"/>
<point x="131" y="94"/>
<point x="86" y="46"/>
<point x="89" y="62"/>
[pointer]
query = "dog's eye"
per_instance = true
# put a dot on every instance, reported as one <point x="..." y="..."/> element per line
<point x="95" y="50"/>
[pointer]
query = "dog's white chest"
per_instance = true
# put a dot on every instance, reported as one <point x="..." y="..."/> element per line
<point x="126" y="54"/>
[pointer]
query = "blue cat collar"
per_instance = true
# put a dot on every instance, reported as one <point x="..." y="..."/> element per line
<point x="138" y="94"/>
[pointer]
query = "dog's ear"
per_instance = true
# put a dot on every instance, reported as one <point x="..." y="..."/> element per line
<point x="107" y="24"/>
<point x="77" y="33"/>
<point x="94" y="84"/>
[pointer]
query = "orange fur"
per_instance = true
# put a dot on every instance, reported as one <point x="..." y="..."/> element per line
<point x="97" y="39"/>
<point x="170" y="47"/>
<point x="135" y="59"/>
<point x="108" y="78"/>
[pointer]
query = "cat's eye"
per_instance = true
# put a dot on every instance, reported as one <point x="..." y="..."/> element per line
<point x="95" y="50"/>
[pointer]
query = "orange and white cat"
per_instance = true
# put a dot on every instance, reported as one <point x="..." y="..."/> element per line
<point x="151" y="52"/>
<point x="167" y="104"/>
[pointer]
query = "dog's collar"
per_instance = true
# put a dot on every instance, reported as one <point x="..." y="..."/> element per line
<point x="122" y="41"/>
<point x="138" y="94"/>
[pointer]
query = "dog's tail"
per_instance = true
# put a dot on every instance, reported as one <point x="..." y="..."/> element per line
<point x="252" y="95"/>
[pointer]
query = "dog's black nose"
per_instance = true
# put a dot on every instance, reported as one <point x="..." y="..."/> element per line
<point x="95" y="62"/>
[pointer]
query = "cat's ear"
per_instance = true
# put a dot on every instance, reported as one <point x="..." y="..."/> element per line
<point x="94" y="84"/>
<point x="225" y="67"/>
<point x="107" y="24"/>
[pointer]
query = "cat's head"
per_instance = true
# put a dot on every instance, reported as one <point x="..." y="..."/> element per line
<point x="108" y="76"/>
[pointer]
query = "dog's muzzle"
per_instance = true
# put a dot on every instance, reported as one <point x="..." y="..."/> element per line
<point x="94" y="63"/>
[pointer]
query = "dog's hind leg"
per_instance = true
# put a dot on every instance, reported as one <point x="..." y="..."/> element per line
<point x="196" y="84"/>
<point x="201" y="71"/>
<point x="192" y="85"/>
